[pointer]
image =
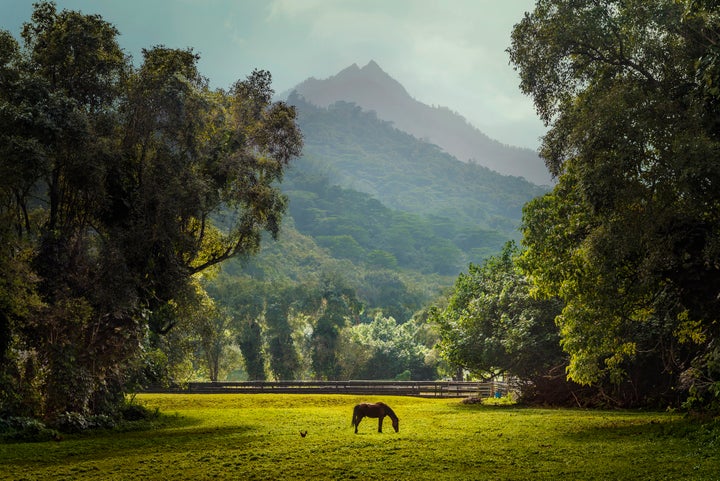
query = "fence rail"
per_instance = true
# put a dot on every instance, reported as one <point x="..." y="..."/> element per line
<point x="444" y="389"/>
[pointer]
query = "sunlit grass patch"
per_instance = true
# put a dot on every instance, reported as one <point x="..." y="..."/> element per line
<point x="258" y="437"/>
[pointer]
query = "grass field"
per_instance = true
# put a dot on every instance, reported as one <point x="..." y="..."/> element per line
<point x="238" y="437"/>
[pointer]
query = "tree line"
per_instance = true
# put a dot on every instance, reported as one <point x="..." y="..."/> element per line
<point x="119" y="186"/>
<point x="624" y="249"/>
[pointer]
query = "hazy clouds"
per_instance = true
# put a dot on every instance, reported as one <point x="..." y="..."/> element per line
<point x="449" y="53"/>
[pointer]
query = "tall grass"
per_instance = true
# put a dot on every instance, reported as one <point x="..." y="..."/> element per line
<point x="239" y="437"/>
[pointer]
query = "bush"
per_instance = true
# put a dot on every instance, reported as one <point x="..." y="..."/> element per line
<point x="101" y="421"/>
<point x="136" y="412"/>
<point x="26" y="430"/>
<point x="76" y="422"/>
<point x="71" y="423"/>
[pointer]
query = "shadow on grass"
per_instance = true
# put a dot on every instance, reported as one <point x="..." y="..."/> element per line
<point x="175" y="428"/>
<point x="706" y="434"/>
<point x="169" y="433"/>
<point x="482" y="407"/>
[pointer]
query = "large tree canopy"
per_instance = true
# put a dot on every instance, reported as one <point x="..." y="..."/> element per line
<point x="117" y="185"/>
<point x="493" y="326"/>
<point x="630" y="236"/>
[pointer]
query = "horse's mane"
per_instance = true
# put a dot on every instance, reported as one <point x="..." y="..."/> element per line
<point x="389" y="410"/>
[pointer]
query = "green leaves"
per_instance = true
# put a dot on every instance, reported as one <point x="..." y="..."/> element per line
<point x="124" y="182"/>
<point x="492" y="325"/>
<point x="384" y="349"/>
<point x="77" y="53"/>
<point x="627" y="236"/>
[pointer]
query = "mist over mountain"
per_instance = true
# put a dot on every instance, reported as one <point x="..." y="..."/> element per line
<point x="373" y="89"/>
<point x="356" y="150"/>
<point x="375" y="195"/>
<point x="391" y="216"/>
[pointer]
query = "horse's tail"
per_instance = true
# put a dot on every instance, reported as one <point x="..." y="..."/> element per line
<point x="355" y="415"/>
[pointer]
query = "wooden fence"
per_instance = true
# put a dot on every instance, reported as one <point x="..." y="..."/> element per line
<point x="443" y="389"/>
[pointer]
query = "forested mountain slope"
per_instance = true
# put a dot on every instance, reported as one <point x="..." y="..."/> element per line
<point x="378" y="226"/>
<point x="357" y="150"/>
<point x="392" y="216"/>
<point x="355" y="226"/>
<point x="373" y="89"/>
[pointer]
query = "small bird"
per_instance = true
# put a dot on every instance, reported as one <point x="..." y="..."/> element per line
<point x="303" y="433"/>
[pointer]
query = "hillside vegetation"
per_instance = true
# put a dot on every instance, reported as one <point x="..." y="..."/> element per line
<point x="379" y="223"/>
<point x="359" y="151"/>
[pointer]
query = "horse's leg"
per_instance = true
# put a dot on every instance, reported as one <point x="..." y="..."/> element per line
<point x="357" y="421"/>
<point x="380" y="420"/>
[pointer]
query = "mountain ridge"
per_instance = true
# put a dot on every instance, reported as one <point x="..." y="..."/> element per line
<point x="356" y="150"/>
<point x="373" y="89"/>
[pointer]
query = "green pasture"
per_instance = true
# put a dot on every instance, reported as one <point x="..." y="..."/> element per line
<point x="256" y="436"/>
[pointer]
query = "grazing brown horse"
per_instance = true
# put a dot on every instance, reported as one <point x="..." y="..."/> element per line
<point x="377" y="410"/>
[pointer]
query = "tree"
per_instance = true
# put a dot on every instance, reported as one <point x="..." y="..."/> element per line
<point x="284" y="360"/>
<point x="244" y="301"/>
<point x="629" y="236"/>
<point x="122" y="184"/>
<point x="59" y="99"/>
<point x="492" y="326"/>
<point x="336" y="303"/>
<point x="387" y="292"/>
<point x="384" y="349"/>
<point x="215" y="339"/>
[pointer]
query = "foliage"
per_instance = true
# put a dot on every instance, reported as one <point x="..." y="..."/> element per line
<point x="493" y="326"/>
<point x="335" y="305"/>
<point x="257" y="436"/>
<point x="112" y="177"/>
<point x="214" y="339"/>
<point x="472" y="207"/>
<point x="290" y="276"/>
<point x="129" y="416"/>
<point x="384" y="349"/>
<point x="629" y="236"/>
<point x="26" y="429"/>
<point x="355" y="226"/>
<point x="284" y="357"/>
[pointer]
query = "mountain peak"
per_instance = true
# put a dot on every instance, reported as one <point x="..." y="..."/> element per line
<point x="347" y="70"/>
<point x="373" y="66"/>
<point x="373" y="89"/>
<point x="370" y="87"/>
<point x="370" y="74"/>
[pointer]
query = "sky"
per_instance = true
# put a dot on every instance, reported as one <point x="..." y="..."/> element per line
<point x="448" y="53"/>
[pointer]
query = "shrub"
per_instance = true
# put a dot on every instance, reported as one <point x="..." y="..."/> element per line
<point x="26" y="430"/>
<point x="71" y="422"/>
<point x="137" y="412"/>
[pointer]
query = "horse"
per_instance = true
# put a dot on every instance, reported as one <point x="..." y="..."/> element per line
<point x="377" y="410"/>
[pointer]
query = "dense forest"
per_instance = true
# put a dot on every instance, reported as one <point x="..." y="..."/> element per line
<point x="430" y="211"/>
<point x="627" y="241"/>
<point x="111" y="178"/>
<point x="156" y="231"/>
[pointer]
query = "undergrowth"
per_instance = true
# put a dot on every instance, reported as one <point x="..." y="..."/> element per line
<point x="130" y="416"/>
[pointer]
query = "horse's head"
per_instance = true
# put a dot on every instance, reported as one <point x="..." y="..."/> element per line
<point x="396" y="424"/>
